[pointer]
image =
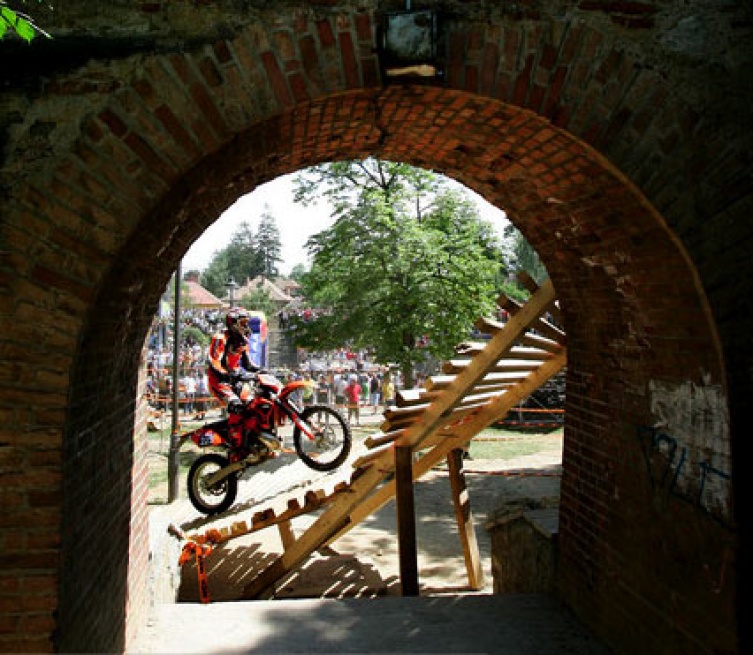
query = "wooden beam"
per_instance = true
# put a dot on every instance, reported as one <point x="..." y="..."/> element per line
<point x="541" y="325"/>
<point x="444" y="382"/>
<point x="464" y="519"/>
<point x="411" y="397"/>
<point x="406" y="520"/>
<point x="502" y="366"/>
<point x="287" y="536"/>
<point x="541" y="342"/>
<point x="381" y="439"/>
<point x="529" y="283"/>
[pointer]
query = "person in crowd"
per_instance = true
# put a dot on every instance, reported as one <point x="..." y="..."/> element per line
<point x="164" y="390"/>
<point x="353" y="398"/>
<point x="308" y="390"/>
<point x="322" y="390"/>
<point x="374" y="392"/>
<point x="189" y="391"/>
<point x="340" y="383"/>
<point x="202" y="391"/>
<point x="230" y="363"/>
<point x="388" y="390"/>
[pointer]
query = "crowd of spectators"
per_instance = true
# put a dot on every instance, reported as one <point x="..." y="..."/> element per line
<point x="329" y="372"/>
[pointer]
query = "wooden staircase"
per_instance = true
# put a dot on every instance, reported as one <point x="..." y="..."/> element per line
<point x="479" y="386"/>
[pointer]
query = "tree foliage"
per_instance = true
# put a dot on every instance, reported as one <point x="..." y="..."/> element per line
<point x="250" y="253"/>
<point x="16" y="22"/>
<point x="299" y="270"/>
<point x="268" y="245"/>
<point x="405" y="269"/>
<point x="525" y="258"/>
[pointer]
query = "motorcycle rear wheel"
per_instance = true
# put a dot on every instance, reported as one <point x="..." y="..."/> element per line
<point x="219" y="497"/>
<point x="332" y="438"/>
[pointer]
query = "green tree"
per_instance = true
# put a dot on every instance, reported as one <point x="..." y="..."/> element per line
<point x="299" y="270"/>
<point x="249" y="254"/>
<point x="268" y="245"/>
<point x="405" y="269"/>
<point x="524" y="257"/>
<point x="258" y="300"/>
<point x="216" y="275"/>
<point x="243" y="260"/>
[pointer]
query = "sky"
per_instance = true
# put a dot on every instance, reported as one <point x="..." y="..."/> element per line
<point x="295" y="222"/>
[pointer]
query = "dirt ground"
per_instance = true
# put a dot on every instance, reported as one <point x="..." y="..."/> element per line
<point x="365" y="561"/>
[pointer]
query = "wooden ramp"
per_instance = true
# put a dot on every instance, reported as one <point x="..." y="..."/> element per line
<point x="429" y="425"/>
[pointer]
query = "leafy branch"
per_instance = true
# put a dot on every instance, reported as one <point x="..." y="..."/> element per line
<point x="19" y="23"/>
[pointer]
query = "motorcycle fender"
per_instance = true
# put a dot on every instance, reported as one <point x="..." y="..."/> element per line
<point x="206" y="438"/>
<point x="295" y="385"/>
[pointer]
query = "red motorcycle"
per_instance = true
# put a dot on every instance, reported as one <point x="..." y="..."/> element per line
<point x="321" y="437"/>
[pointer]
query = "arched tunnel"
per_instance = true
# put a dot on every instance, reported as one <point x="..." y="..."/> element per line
<point x="614" y="137"/>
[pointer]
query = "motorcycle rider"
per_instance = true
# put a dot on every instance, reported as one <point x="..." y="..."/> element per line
<point x="229" y="362"/>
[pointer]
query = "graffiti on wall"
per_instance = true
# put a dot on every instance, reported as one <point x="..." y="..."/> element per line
<point x="687" y="449"/>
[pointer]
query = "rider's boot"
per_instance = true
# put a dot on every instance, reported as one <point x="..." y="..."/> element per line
<point x="266" y="434"/>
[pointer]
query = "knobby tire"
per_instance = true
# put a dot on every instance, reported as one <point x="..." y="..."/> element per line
<point x="227" y="489"/>
<point x="338" y="430"/>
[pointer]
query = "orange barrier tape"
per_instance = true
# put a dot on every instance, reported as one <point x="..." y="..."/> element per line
<point x="167" y="400"/>
<point x="200" y="551"/>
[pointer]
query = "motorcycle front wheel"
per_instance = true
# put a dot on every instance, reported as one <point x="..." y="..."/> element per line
<point x="332" y="440"/>
<point x="218" y="497"/>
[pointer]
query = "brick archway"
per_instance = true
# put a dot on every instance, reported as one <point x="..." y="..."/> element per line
<point x="560" y="122"/>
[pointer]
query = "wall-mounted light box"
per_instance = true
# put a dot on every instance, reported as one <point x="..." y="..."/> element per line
<point x="408" y="43"/>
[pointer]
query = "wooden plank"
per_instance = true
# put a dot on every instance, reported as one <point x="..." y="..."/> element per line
<point x="464" y="518"/>
<point x="381" y="439"/>
<point x="499" y="407"/>
<point x="489" y="326"/>
<point x="546" y="328"/>
<point x="535" y="354"/>
<point x="406" y="520"/>
<point x="287" y="536"/>
<point x="502" y="366"/>
<point x="397" y="424"/>
<point x="466" y="405"/>
<point x="439" y="382"/>
<point x="541" y="342"/>
<point x="415" y="397"/>
<point x="374" y="454"/>
<point x="444" y="382"/>
<point x="402" y="413"/>
<point x="529" y="283"/>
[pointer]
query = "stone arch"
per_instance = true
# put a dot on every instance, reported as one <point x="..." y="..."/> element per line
<point x="561" y="120"/>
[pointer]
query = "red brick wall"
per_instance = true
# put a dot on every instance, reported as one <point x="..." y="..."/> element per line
<point x="597" y="143"/>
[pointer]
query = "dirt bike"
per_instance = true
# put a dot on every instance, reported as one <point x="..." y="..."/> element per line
<point x="321" y="437"/>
